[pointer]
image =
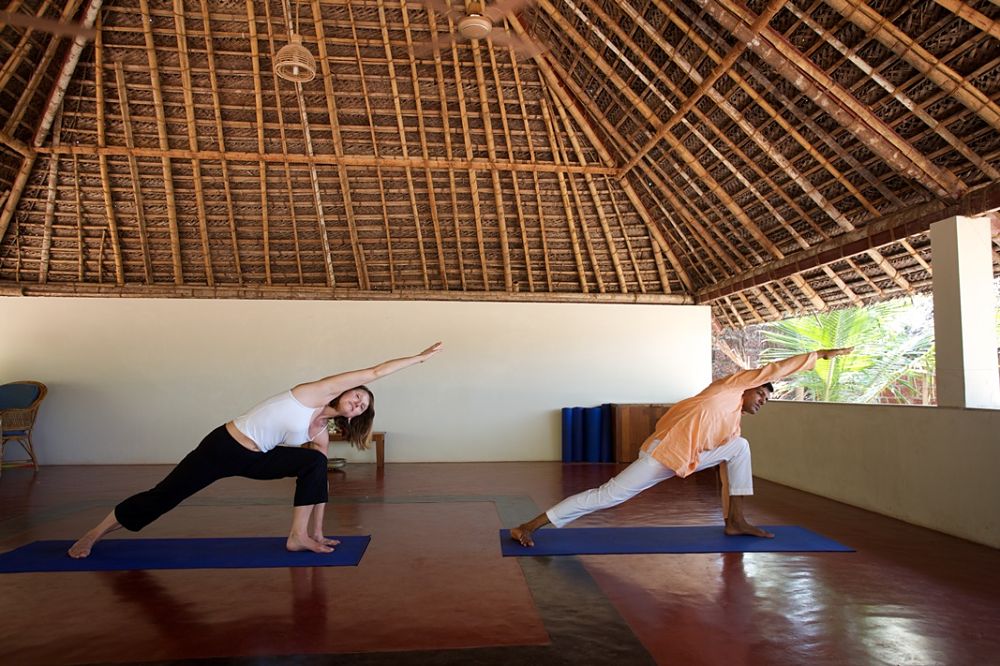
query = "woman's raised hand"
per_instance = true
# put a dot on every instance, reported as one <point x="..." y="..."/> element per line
<point x="830" y="353"/>
<point x="430" y="351"/>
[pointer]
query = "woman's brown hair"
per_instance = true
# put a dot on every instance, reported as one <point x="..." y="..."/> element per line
<point x="358" y="430"/>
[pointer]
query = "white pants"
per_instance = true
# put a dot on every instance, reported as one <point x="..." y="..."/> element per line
<point x="646" y="472"/>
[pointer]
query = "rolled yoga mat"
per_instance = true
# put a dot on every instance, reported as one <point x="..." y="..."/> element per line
<point x="567" y="434"/>
<point x="696" y="539"/>
<point x="130" y="554"/>
<point x="592" y="431"/>
<point x="577" y="451"/>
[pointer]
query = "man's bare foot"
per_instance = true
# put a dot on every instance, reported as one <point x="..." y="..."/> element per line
<point x="300" y="542"/>
<point x="734" y="528"/>
<point x="522" y="535"/>
<point x="82" y="547"/>
<point x="319" y="538"/>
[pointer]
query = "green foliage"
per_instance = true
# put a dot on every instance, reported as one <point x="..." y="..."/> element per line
<point x="893" y="359"/>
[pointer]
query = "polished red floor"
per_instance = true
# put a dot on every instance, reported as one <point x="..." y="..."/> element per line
<point x="432" y="587"/>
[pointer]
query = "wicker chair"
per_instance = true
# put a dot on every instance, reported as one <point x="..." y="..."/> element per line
<point x="19" y="403"/>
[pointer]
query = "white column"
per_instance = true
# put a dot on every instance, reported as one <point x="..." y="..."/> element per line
<point x="964" y="313"/>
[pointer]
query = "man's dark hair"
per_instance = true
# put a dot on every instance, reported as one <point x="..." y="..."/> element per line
<point x="769" y="386"/>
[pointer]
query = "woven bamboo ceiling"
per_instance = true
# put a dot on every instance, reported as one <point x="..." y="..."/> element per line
<point x="768" y="158"/>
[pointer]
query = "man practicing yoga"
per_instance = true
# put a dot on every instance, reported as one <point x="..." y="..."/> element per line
<point x="695" y="434"/>
<point x="248" y="446"/>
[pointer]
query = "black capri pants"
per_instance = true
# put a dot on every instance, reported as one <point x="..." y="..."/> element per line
<point x="217" y="457"/>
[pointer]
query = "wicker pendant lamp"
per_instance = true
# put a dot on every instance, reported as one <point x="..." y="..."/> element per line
<point x="293" y="62"/>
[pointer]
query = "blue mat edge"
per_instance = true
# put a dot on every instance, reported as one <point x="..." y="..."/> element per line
<point x="508" y="548"/>
<point x="69" y="565"/>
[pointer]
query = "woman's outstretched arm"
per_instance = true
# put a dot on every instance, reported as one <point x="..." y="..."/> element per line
<point x="322" y="391"/>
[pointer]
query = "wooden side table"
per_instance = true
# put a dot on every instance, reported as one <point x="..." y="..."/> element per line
<point x="377" y="437"/>
<point x="631" y="424"/>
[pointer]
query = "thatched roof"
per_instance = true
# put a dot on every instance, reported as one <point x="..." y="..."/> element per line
<point x="768" y="158"/>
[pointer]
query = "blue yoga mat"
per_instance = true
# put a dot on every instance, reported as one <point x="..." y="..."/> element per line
<point x="567" y="434"/>
<point x="131" y="554"/>
<point x="699" y="539"/>
<point x="592" y="434"/>
<point x="577" y="450"/>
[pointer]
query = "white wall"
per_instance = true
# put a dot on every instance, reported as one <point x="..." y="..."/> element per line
<point x="142" y="380"/>
<point x="931" y="466"/>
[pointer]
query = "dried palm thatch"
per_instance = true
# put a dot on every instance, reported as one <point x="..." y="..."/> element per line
<point x="769" y="158"/>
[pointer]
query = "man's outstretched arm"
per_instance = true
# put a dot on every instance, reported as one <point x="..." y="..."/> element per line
<point x="783" y="368"/>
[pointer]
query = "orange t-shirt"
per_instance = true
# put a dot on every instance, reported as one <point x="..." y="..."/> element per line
<point x="712" y="418"/>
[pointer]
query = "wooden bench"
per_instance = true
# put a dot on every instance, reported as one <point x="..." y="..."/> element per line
<point x="377" y="437"/>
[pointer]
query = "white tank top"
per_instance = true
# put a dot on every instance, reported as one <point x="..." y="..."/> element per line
<point x="281" y="419"/>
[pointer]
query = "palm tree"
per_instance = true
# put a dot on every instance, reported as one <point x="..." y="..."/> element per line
<point x="892" y="360"/>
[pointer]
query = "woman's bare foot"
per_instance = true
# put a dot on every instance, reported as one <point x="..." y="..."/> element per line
<point x="319" y="538"/>
<point x="299" y="542"/>
<point x="522" y="535"/>
<point x="734" y="528"/>
<point x="82" y="547"/>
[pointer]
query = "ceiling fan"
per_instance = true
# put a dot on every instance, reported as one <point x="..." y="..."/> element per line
<point x="477" y="20"/>
<point x="47" y="25"/>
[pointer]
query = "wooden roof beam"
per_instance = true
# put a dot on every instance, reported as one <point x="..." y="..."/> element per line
<point x="390" y="64"/>
<point x="312" y="292"/>
<point x="877" y="233"/>
<point x="598" y="204"/>
<point x="628" y="244"/>
<point x="978" y="19"/>
<point x="683" y="153"/>
<point x="133" y="167"/>
<point x="50" y="209"/>
<point x="894" y="39"/>
<point x="66" y="73"/>
<point x="723" y="66"/>
<point x="265" y="222"/>
<point x="39" y="73"/>
<point x="484" y="110"/>
<point x="581" y="216"/>
<point x="19" y="147"/>
<point x="505" y="124"/>
<point x="399" y="163"/>
<point x="939" y="128"/>
<point x="571" y="228"/>
<point x="449" y="149"/>
<point x="830" y="96"/>
<point x="192" y="132"/>
<point x="360" y="267"/>
<point x="220" y="137"/>
<point x="109" y="202"/>
<point x="558" y="81"/>
<point x="17" y="53"/>
<point x="422" y="130"/>
<point x="161" y="128"/>
<point x="473" y="177"/>
<point x="658" y="73"/>
<point x="289" y="190"/>
<point x="375" y="149"/>
<point x="740" y="120"/>
<point x="522" y="218"/>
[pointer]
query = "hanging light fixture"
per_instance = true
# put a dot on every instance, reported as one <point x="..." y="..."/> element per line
<point x="293" y="62"/>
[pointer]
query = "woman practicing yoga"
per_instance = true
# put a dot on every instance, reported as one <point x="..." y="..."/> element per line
<point x="248" y="446"/>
